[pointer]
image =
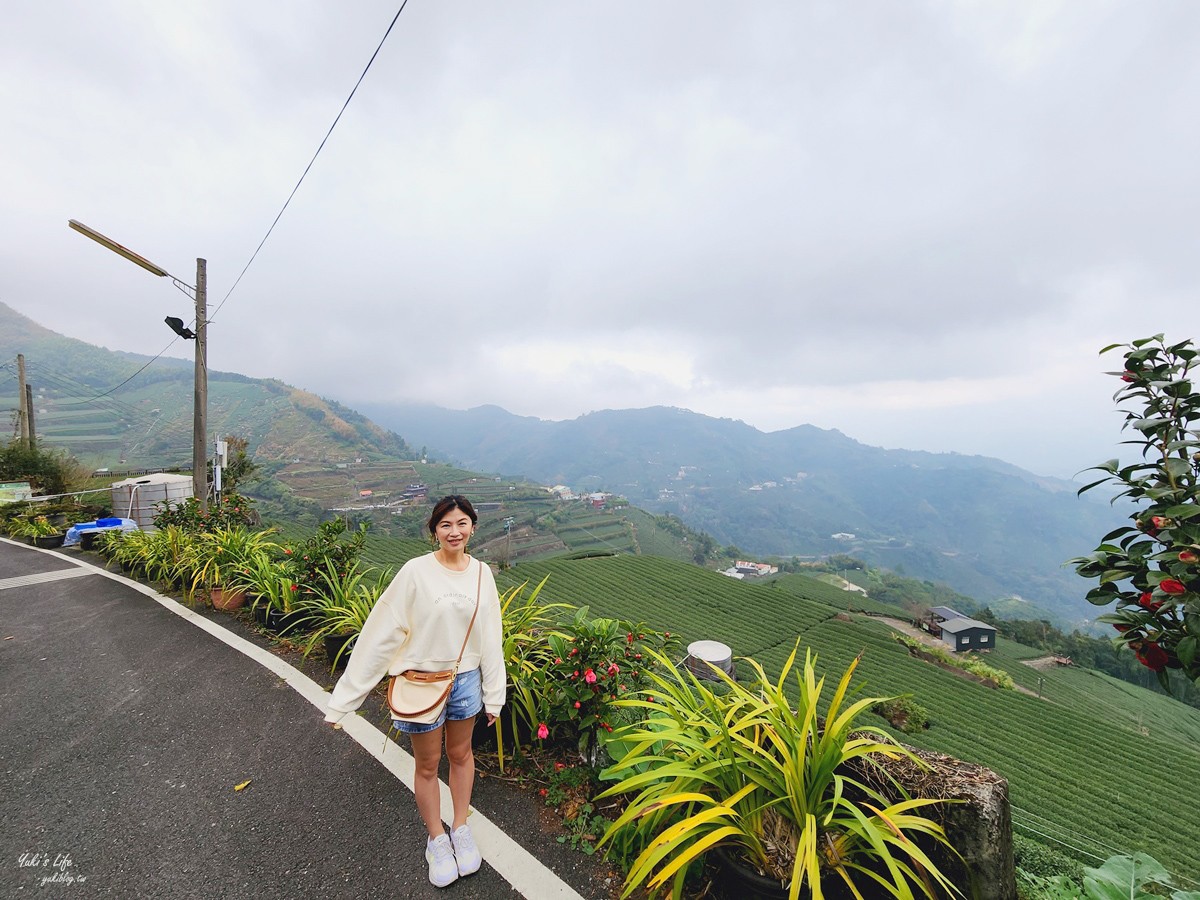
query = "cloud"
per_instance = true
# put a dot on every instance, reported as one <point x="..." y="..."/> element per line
<point x="916" y="223"/>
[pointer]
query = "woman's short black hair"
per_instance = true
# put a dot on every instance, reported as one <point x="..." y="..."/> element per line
<point x="447" y="505"/>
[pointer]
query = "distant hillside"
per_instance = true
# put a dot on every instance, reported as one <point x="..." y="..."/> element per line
<point x="147" y="422"/>
<point x="983" y="526"/>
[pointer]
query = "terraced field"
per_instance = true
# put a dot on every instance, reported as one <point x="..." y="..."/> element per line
<point x="1096" y="765"/>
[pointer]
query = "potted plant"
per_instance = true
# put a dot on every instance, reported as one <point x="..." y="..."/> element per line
<point x="275" y="595"/>
<point x="38" y="531"/>
<point x="46" y="534"/>
<point x="771" y="784"/>
<point x="527" y="624"/>
<point x="167" y="556"/>
<point x="220" y="556"/>
<point x="340" y="607"/>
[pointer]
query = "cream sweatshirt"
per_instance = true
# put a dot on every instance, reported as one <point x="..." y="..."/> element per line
<point x="418" y="623"/>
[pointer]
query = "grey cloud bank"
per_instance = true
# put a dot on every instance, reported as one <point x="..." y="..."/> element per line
<point x="916" y="223"/>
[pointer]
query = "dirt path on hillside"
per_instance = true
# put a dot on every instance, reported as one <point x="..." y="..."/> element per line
<point x="1041" y="663"/>
<point x="930" y="641"/>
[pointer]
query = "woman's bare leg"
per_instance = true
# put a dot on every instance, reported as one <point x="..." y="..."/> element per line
<point x="427" y="752"/>
<point x="462" y="767"/>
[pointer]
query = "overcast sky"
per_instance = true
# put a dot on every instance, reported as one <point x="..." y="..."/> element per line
<point x="913" y="222"/>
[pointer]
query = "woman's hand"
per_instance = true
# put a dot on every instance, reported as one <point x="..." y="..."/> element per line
<point x="491" y="720"/>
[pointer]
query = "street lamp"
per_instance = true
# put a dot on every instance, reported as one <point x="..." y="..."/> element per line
<point x="200" y="392"/>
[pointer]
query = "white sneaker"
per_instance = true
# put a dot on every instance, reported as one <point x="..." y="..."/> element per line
<point x="439" y="853"/>
<point x="466" y="854"/>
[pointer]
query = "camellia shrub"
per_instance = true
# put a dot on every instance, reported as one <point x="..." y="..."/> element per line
<point x="591" y="664"/>
<point x="1150" y="568"/>
<point x="230" y="511"/>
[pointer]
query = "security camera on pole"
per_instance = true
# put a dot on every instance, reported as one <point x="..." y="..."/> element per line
<point x="200" y="392"/>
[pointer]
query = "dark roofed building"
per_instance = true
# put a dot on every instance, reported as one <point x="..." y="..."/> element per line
<point x="945" y="613"/>
<point x="962" y="633"/>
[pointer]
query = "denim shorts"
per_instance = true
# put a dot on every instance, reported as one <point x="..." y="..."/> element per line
<point x="466" y="700"/>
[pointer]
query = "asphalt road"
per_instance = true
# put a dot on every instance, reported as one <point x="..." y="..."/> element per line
<point x="127" y="728"/>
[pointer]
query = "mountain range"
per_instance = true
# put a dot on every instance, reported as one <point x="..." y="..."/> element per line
<point x="986" y="528"/>
<point x="981" y="525"/>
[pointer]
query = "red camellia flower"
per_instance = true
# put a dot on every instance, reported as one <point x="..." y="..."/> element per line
<point x="1147" y="601"/>
<point x="614" y="669"/>
<point x="629" y="638"/>
<point x="1171" y="586"/>
<point x="1188" y="556"/>
<point x="1122" y="628"/>
<point x="589" y="676"/>
<point x="558" y="660"/>
<point x="543" y="732"/>
<point x="1128" y="376"/>
<point x="578" y="704"/>
<point x="559" y="766"/>
<point x="1160" y="521"/>
<point x="1152" y="656"/>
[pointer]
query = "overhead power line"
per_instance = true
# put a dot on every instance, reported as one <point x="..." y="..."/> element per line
<point x="303" y="175"/>
<point x="279" y="215"/>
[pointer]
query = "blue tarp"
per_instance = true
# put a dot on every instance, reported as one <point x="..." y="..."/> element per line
<point x="75" y="532"/>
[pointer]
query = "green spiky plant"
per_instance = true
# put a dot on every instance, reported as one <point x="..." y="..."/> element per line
<point x="526" y="624"/>
<point x="340" y="603"/>
<point x="769" y="781"/>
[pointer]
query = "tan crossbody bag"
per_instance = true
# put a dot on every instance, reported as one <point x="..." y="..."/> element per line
<point x="418" y="697"/>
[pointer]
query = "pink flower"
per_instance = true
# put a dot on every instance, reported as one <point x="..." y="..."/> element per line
<point x="543" y="731"/>
<point x="558" y="661"/>
<point x="614" y="669"/>
<point x="577" y="704"/>
<point x="589" y="676"/>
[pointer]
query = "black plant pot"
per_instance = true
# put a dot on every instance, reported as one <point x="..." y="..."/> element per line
<point x="49" y="541"/>
<point x="288" y="623"/>
<point x="87" y="539"/>
<point x="737" y="879"/>
<point x="333" y="646"/>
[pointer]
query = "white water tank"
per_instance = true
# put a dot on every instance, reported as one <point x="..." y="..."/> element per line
<point x="139" y="498"/>
<point x="702" y="652"/>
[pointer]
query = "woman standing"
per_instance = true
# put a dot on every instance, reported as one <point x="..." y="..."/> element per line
<point x="419" y="623"/>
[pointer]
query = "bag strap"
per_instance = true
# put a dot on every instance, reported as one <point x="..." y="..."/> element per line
<point x="478" y="590"/>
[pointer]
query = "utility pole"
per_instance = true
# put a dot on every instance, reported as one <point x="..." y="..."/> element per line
<point x="22" y="401"/>
<point x="29" y="417"/>
<point x="200" y="406"/>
